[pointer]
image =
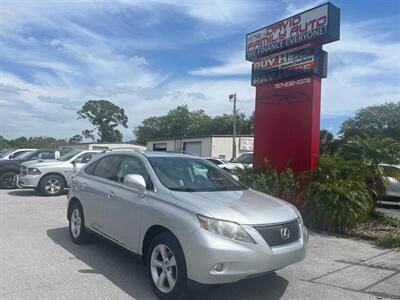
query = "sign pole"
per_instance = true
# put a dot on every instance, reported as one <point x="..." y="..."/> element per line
<point x="233" y="98"/>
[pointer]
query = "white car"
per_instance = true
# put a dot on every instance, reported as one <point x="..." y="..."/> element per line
<point x="14" y="153"/>
<point x="392" y="192"/>
<point x="216" y="161"/>
<point x="51" y="177"/>
<point x="242" y="161"/>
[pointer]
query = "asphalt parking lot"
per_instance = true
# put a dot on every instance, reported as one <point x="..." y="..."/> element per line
<point x="38" y="261"/>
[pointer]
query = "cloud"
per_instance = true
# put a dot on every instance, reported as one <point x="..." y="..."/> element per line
<point x="11" y="89"/>
<point x="363" y="69"/>
<point x="294" y="7"/>
<point x="5" y="103"/>
<point x="65" y="103"/>
<point x="151" y="56"/>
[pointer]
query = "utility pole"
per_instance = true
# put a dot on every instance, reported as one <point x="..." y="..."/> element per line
<point x="232" y="98"/>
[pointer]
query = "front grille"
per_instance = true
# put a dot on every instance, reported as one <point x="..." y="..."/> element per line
<point x="274" y="234"/>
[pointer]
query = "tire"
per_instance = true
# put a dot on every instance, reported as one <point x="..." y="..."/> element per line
<point x="52" y="185"/>
<point x="8" y="180"/>
<point x="164" y="272"/>
<point x="77" y="229"/>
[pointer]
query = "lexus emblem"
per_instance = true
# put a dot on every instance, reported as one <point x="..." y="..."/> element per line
<point x="285" y="233"/>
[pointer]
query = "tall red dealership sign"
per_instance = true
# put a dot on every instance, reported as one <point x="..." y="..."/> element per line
<point x="288" y="64"/>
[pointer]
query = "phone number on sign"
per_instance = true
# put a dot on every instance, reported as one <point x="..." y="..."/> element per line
<point x="292" y="83"/>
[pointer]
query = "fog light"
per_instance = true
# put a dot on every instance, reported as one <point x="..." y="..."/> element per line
<point x="219" y="267"/>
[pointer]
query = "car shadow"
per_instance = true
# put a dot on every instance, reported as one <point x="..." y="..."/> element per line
<point x="30" y="193"/>
<point x="127" y="272"/>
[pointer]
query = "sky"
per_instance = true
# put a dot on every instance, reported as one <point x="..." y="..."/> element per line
<point x="150" y="56"/>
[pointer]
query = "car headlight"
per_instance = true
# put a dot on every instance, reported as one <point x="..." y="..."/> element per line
<point x="33" y="171"/>
<point x="227" y="229"/>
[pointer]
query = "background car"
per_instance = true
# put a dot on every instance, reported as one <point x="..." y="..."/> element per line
<point x="242" y="161"/>
<point x="392" y="191"/>
<point x="14" y="153"/>
<point x="51" y="177"/>
<point x="10" y="168"/>
<point x="216" y="161"/>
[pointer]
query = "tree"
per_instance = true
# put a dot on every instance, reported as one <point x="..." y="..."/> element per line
<point x="105" y="116"/>
<point x="328" y="143"/>
<point x="181" y="122"/>
<point x="76" y="139"/>
<point x="376" y="121"/>
<point x="21" y="142"/>
<point x="3" y="143"/>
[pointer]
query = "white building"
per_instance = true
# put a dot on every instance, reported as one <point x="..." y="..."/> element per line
<point x="103" y="146"/>
<point x="218" y="146"/>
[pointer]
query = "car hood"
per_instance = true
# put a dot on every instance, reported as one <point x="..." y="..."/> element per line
<point x="8" y="162"/>
<point x="41" y="163"/>
<point x="243" y="207"/>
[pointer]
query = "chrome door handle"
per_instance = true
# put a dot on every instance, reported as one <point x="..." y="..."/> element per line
<point x="110" y="194"/>
<point x="84" y="186"/>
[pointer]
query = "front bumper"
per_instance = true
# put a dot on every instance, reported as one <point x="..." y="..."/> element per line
<point x="28" y="181"/>
<point x="203" y="250"/>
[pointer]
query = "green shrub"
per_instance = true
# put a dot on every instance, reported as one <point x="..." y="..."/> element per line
<point x="337" y="197"/>
<point x="388" y="240"/>
<point x="370" y="152"/>
<point x="283" y="185"/>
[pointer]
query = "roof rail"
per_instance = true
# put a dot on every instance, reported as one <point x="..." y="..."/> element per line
<point x="121" y="149"/>
<point x="182" y="152"/>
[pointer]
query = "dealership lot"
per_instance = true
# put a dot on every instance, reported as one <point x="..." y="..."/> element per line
<point x="38" y="261"/>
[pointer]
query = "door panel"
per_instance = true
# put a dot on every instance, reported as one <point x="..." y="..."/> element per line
<point x="123" y="206"/>
<point x="93" y="193"/>
<point x="122" y="213"/>
<point x="95" y="187"/>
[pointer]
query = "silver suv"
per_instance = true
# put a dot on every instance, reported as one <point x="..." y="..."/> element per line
<point x="186" y="217"/>
<point x="51" y="177"/>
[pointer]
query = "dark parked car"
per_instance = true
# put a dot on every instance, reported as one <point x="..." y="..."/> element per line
<point x="9" y="169"/>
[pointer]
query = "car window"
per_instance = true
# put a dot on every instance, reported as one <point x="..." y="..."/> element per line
<point x="244" y="159"/>
<point x="85" y="157"/>
<point x="46" y="155"/>
<point x="133" y="165"/>
<point x="192" y="175"/>
<point x="19" y="153"/>
<point x="90" y="169"/>
<point x="215" y="161"/>
<point x="392" y="172"/>
<point x="25" y="155"/>
<point x="107" y="167"/>
<point x="69" y="155"/>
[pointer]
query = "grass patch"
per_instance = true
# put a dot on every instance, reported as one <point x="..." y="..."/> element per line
<point x="382" y="230"/>
<point x="388" y="240"/>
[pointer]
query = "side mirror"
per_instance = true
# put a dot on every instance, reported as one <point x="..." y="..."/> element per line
<point x="235" y="177"/>
<point x="77" y="160"/>
<point x="137" y="182"/>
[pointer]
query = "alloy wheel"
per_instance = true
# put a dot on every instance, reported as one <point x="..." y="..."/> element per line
<point x="52" y="186"/>
<point x="76" y="222"/>
<point x="163" y="268"/>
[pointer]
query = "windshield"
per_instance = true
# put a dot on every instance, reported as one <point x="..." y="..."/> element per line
<point x="191" y="174"/>
<point x="23" y="155"/>
<point x="69" y="155"/>
<point x="244" y="158"/>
